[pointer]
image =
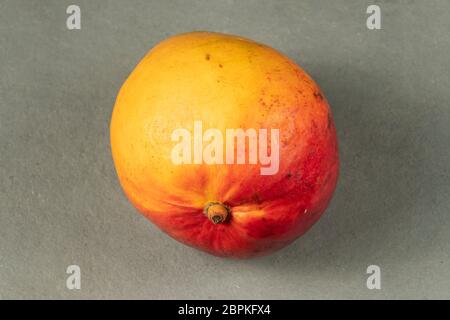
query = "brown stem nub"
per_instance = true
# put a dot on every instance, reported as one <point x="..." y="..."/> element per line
<point x="216" y="212"/>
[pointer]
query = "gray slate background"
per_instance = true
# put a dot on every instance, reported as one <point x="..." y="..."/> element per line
<point x="61" y="204"/>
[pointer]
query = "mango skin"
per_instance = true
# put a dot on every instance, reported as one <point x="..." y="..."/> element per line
<point x="226" y="82"/>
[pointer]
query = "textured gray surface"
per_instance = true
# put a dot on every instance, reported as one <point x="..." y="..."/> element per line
<point x="60" y="202"/>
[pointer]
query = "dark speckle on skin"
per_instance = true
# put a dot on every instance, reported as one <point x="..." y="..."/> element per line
<point x="207" y="56"/>
<point x="220" y="66"/>
<point x="318" y="95"/>
<point x="256" y="198"/>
